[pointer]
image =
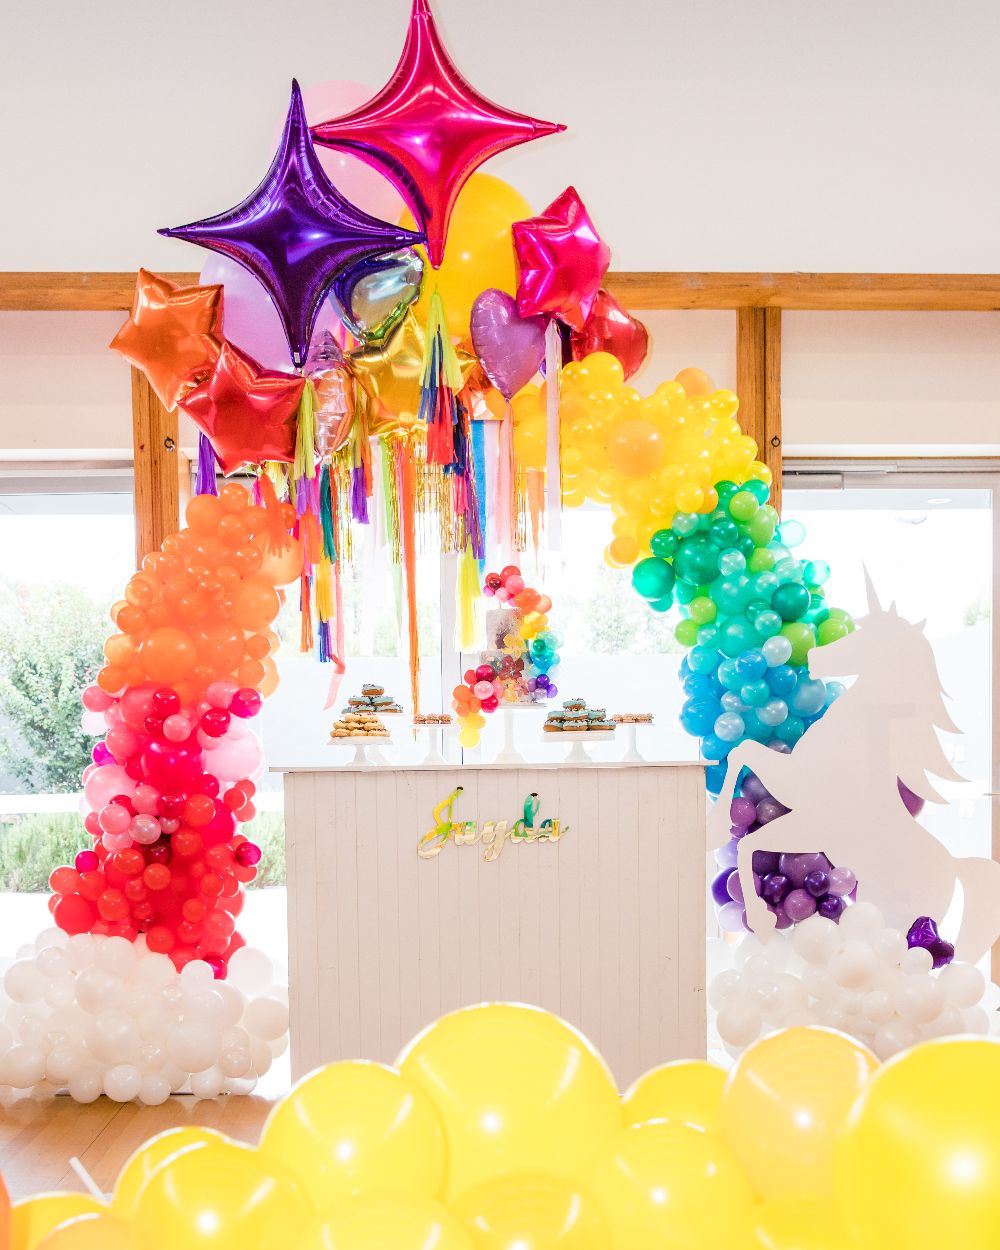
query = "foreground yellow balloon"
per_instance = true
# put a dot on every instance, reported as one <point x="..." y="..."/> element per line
<point x="918" y="1162"/>
<point x="356" y="1128"/>
<point x="785" y="1101"/>
<point x="32" y="1219"/>
<point x="673" y="1187"/>
<point x="518" y="1089"/>
<point x="801" y="1224"/>
<point x="89" y="1232"/>
<point x="532" y="1211"/>
<point x="220" y="1196"/>
<point x="687" y="1090"/>
<point x="387" y="1223"/>
<point x="479" y="253"/>
<point x="142" y="1163"/>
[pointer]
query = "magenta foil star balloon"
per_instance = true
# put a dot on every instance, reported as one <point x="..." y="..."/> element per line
<point x="296" y="232"/>
<point x="428" y="130"/>
<point x="561" y="261"/>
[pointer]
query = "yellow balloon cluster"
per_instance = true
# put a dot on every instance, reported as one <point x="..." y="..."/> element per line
<point x="500" y="1128"/>
<point x="647" y="457"/>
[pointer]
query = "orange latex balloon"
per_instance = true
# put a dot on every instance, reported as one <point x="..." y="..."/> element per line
<point x="255" y="604"/>
<point x="636" y="448"/>
<point x="695" y="382"/>
<point x="167" y="654"/>
<point x="173" y="334"/>
<point x="4" y="1217"/>
<point x="281" y="568"/>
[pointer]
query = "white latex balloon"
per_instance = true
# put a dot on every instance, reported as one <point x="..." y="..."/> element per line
<point x="964" y="985"/>
<point x="266" y="1018"/>
<point x="23" y="981"/>
<point x="250" y="970"/>
<point x="122" y="1082"/>
<point x="740" y="1022"/>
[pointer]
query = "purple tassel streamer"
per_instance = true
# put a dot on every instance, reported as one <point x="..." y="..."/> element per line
<point x="257" y="495"/>
<point x="325" y="642"/>
<point x="359" y="495"/>
<point x="205" y="483"/>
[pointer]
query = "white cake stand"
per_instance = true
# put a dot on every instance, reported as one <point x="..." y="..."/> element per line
<point x="509" y="754"/>
<point x="578" y="753"/>
<point x="366" y="752"/>
<point x="435" y="742"/>
<point x="632" y="755"/>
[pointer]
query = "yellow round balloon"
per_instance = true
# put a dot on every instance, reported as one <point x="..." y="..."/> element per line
<point x="358" y="1128"/>
<point x="690" y="1091"/>
<point x="89" y="1232"/>
<point x="142" y="1163"/>
<point x="918" y="1162"/>
<point x="674" y="1187"/>
<point x="32" y="1219"/>
<point x="800" y="1224"/>
<point x="479" y="253"/>
<point x="518" y="1089"/>
<point x="532" y="1211"/>
<point x="389" y="1222"/>
<point x="220" y="1196"/>
<point x="785" y="1101"/>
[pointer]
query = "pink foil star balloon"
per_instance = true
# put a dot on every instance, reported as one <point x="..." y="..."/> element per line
<point x="428" y="130"/>
<point x="561" y="261"/>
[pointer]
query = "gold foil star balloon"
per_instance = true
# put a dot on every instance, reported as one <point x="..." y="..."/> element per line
<point x="173" y="334"/>
<point x="389" y="374"/>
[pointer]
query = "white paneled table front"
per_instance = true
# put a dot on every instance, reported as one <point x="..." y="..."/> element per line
<point x="578" y="889"/>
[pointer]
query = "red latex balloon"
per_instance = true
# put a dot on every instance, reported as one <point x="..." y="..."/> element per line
<point x="609" y="328"/>
<point x="247" y="412"/>
<point x="428" y="130"/>
<point x="561" y="261"/>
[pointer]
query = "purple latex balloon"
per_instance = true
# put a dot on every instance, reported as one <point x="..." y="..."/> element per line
<point x="754" y="789"/>
<point x="842" y="882"/>
<point x="735" y="887"/>
<point x="742" y="812"/>
<point x="831" y="907"/>
<point x="769" y="809"/>
<point x="720" y="888"/>
<point x="296" y="232"/>
<point x="817" y="883"/>
<point x="725" y="856"/>
<point x="798" y="905"/>
<point x="797" y="867"/>
<point x="765" y="862"/>
<point x="774" y="888"/>
<point x="511" y="348"/>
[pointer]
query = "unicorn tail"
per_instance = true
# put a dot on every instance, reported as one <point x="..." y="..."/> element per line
<point x="980" y="925"/>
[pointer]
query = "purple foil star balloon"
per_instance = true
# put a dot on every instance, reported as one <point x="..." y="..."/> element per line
<point x="296" y="232"/>
<point x="924" y="933"/>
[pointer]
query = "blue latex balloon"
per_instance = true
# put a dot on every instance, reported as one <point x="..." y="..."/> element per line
<point x="755" y="693"/>
<point x="714" y="748"/>
<point x="703" y="659"/>
<point x="698" y="715"/>
<point x="715" y="777"/>
<point x="782" y="679"/>
<point x="808" y="697"/>
<point x="729" y="676"/>
<point x="751" y="665"/>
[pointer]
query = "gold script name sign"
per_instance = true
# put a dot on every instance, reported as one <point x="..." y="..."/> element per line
<point x="492" y="835"/>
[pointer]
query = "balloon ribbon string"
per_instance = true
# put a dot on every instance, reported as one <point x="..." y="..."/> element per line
<point x="407" y="521"/>
<point x="553" y="474"/>
<point x="337" y="650"/>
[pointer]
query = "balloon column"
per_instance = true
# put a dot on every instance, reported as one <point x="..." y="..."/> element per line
<point x="500" y="1128"/>
<point x="146" y="915"/>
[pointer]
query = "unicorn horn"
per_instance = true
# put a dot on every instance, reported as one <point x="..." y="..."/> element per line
<point x="873" y="603"/>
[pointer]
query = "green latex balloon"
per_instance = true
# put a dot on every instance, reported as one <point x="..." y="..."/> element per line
<point x="743" y="506"/>
<point x="686" y="633"/>
<point x="803" y="639"/>
<point x="653" y="578"/>
<point x="790" y="601"/>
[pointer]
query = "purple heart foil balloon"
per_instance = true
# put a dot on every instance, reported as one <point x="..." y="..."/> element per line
<point x="511" y="348"/>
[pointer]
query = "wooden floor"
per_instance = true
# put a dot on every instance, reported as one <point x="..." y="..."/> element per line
<point x="38" y="1139"/>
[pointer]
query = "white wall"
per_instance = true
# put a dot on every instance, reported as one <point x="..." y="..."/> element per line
<point x="704" y="134"/>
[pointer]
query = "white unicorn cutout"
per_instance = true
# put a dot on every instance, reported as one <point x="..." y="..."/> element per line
<point x="840" y="786"/>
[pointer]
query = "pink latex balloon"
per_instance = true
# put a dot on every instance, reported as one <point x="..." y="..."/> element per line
<point x="145" y="830"/>
<point x="104" y="783"/>
<point x="170" y="766"/>
<point x="238" y="758"/>
<point x="353" y="178"/>
<point x="428" y="129"/>
<point x="95" y="699"/>
<point x="146" y="798"/>
<point x="177" y="728"/>
<point x="135" y="705"/>
<point x="114" y="818"/>
<point x="220" y="693"/>
<point x="121" y="742"/>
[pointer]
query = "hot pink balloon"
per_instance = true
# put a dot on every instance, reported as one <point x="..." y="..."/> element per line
<point x="561" y="261"/>
<point x="511" y="348"/>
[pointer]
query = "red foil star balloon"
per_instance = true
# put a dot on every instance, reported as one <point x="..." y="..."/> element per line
<point x="561" y="261"/>
<point x="174" y="334"/>
<point x="296" y="232"/>
<point x="428" y="130"/>
<point x="248" y="413"/>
